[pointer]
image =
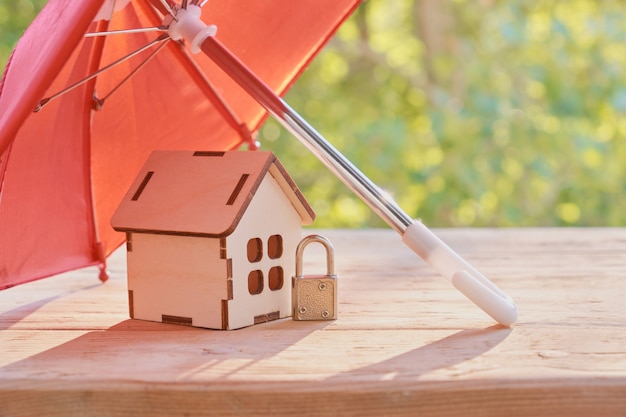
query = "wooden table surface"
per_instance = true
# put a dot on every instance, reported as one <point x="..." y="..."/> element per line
<point x="406" y="342"/>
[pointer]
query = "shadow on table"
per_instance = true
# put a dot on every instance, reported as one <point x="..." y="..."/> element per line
<point x="136" y="350"/>
<point x="141" y="350"/>
<point x="449" y="351"/>
<point x="14" y="316"/>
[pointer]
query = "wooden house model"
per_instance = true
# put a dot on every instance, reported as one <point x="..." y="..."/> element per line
<point x="211" y="238"/>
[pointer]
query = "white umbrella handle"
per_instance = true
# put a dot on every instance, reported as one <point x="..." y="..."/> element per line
<point x="463" y="276"/>
<point x="414" y="234"/>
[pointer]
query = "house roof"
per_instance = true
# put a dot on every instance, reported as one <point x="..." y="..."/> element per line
<point x="200" y="193"/>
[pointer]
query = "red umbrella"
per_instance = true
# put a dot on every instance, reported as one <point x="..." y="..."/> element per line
<point x="67" y="166"/>
<point x="110" y="123"/>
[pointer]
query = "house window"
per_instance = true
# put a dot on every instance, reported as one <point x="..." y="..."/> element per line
<point x="255" y="282"/>
<point x="275" y="246"/>
<point x="275" y="278"/>
<point x="255" y="250"/>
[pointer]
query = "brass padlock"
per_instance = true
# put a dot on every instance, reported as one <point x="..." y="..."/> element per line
<point x="314" y="297"/>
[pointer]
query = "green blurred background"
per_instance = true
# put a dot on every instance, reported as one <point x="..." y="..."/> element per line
<point x="470" y="113"/>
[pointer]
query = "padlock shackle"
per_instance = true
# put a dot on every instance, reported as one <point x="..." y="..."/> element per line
<point x="330" y="253"/>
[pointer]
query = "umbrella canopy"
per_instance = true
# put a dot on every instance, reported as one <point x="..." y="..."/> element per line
<point x="65" y="167"/>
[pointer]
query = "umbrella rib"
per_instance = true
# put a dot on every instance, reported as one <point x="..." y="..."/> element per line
<point x="66" y="90"/>
<point x="101" y="101"/>
<point x="126" y="31"/>
<point x="169" y="9"/>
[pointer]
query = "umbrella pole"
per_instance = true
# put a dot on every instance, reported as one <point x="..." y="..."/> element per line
<point x="414" y="234"/>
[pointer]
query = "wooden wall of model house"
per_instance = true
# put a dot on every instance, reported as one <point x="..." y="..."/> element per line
<point x="269" y="215"/>
<point x="182" y="277"/>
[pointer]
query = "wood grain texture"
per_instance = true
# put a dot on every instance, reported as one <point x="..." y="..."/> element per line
<point x="406" y="342"/>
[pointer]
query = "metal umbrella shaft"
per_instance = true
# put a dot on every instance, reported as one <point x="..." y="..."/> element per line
<point x="370" y="193"/>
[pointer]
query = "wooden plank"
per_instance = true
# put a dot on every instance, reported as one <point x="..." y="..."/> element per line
<point x="405" y="343"/>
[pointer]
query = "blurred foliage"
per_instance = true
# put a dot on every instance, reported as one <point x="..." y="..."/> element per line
<point x="470" y="113"/>
<point x="490" y="113"/>
<point x="15" y="15"/>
